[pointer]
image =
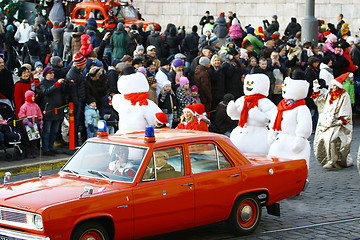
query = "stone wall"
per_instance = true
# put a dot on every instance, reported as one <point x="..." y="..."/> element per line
<point x="189" y="12"/>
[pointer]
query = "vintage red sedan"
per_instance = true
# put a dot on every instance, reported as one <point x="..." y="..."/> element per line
<point x="127" y="187"/>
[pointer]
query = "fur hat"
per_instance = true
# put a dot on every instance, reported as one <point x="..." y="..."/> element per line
<point x="79" y="59"/>
<point x="184" y="81"/>
<point x="178" y="63"/>
<point x="132" y="82"/>
<point x="340" y="80"/>
<point x="47" y="70"/>
<point x="55" y="60"/>
<point x="204" y="61"/>
<point x="161" y="118"/>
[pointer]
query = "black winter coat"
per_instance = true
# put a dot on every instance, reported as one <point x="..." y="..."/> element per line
<point x="158" y="41"/>
<point x="218" y="87"/>
<point x="173" y="41"/>
<point x="310" y="75"/>
<point x="31" y="47"/>
<point x="76" y="86"/>
<point x="190" y="46"/>
<point x="96" y="89"/>
<point x="222" y="121"/>
<point x="291" y="29"/>
<point x="113" y="77"/>
<point x="7" y="84"/>
<point x="167" y="104"/>
<point x="107" y="109"/>
<point x="339" y="62"/>
<point x="53" y="97"/>
<point x="233" y="74"/>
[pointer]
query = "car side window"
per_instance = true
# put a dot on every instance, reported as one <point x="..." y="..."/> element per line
<point x="206" y="157"/>
<point x="80" y="13"/>
<point x="98" y="14"/>
<point x="164" y="164"/>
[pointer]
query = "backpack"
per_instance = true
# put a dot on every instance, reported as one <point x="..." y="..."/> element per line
<point x="235" y="31"/>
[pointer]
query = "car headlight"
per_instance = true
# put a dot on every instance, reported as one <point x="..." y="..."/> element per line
<point x="34" y="221"/>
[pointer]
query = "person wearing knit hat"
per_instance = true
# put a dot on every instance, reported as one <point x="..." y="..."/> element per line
<point x="177" y="63"/>
<point x="33" y="36"/>
<point x="161" y="120"/>
<point x="204" y="61"/>
<point x="200" y="113"/>
<point x="183" y="94"/>
<point x="30" y="114"/>
<point x="47" y="70"/>
<point x="215" y="42"/>
<point x="344" y="31"/>
<point x="55" y="61"/>
<point x="79" y="60"/>
<point x="142" y="70"/>
<point x="203" y="81"/>
<point x="334" y="129"/>
<point x="348" y="86"/>
<point x="195" y="94"/>
<point x="188" y="120"/>
<point x="254" y="40"/>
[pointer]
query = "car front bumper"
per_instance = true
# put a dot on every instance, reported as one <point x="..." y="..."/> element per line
<point x="6" y="234"/>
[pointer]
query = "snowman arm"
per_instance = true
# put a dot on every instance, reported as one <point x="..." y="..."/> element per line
<point x="234" y="108"/>
<point x="150" y="111"/>
<point x="258" y="115"/>
<point x="303" y="122"/>
<point x="116" y="102"/>
<point x="268" y="107"/>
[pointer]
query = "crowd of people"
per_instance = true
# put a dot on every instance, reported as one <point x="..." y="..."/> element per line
<point x="192" y="75"/>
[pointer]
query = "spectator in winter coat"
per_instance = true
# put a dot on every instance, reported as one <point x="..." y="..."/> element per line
<point x="326" y="72"/>
<point x="151" y="56"/>
<point x="6" y="82"/>
<point x="120" y="42"/>
<point x="257" y="44"/>
<point x="155" y="39"/>
<point x="205" y="38"/>
<point x="92" y="117"/>
<point x="134" y="37"/>
<point x="31" y="50"/>
<point x="355" y="52"/>
<point x="176" y="73"/>
<point x="190" y="46"/>
<point x="206" y="52"/>
<point x="67" y="37"/>
<point x="340" y="23"/>
<point x="107" y="112"/>
<point x="183" y="95"/>
<point x="173" y="40"/>
<point x="30" y="113"/>
<point x="311" y="74"/>
<point x="220" y="28"/>
<point x="53" y="91"/>
<point x="273" y="27"/>
<point x="10" y="42"/>
<point x="340" y="63"/>
<point x="76" y="40"/>
<point x="223" y="122"/>
<point x="292" y="28"/>
<point x="86" y="46"/>
<point x="22" y="34"/>
<point x="205" y="19"/>
<point x="235" y="32"/>
<point x="162" y="76"/>
<point x="57" y="33"/>
<point x="21" y="87"/>
<point x="96" y="85"/>
<point x="58" y="66"/>
<point x="203" y="82"/>
<point x="218" y="88"/>
<point x="77" y="91"/>
<point x="233" y="70"/>
<point x="143" y="34"/>
<point x="188" y="120"/>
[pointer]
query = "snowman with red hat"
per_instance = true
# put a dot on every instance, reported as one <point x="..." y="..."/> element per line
<point x="291" y="124"/>
<point x="254" y="112"/>
<point x="132" y="104"/>
<point x="334" y="130"/>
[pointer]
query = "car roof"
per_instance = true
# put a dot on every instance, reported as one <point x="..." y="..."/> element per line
<point x="164" y="137"/>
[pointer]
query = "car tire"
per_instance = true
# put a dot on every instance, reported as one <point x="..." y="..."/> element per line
<point x="90" y="230"/>
<point x="245" y="215"/>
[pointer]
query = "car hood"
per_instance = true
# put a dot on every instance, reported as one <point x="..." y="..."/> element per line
<point x="34" y="194"/>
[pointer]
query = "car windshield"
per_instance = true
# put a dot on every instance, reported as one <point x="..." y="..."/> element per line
<point x="124" y="12"/>
<point x="112" y="162"/>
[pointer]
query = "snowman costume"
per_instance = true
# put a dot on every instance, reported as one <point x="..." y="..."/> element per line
<point x="254" y="112"/>
<point x="291" y="124"/>
<point x="134" y="109"/>
<point x="334" y="130"/>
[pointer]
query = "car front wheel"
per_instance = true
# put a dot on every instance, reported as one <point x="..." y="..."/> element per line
<point x="245" y="215"/>
<point x="90" y="231"/>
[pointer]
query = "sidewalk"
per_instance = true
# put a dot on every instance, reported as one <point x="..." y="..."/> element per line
<point x="32" y="165"/>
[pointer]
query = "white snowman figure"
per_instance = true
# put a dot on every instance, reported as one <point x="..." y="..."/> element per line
<point x="135" y="110"/>
<point x="291" y="124"/>
<point x="254" y="112"/>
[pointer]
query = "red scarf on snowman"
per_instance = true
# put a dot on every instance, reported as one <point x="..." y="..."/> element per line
<point x="137" y="97"/>
<point x="253" y="101"/>
<point x="284" y="105"/>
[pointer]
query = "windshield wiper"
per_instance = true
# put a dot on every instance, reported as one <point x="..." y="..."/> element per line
<point x="71" y="171"/>
<point x="100" y="174"/>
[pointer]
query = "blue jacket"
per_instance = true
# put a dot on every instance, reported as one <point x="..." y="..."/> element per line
<point x="92" y="116"/>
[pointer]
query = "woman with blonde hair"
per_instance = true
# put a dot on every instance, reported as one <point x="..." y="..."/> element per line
<point x="188" y="120"/>
<point x="218" y="89"/>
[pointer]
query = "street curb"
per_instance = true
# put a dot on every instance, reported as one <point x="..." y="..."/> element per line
<point x="34" y="167"/>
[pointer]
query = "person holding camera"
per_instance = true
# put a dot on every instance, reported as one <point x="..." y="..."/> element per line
<point x="273" y="27"/>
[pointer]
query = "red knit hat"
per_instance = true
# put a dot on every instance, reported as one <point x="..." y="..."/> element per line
<point x="161" y="118"/>
<point x="190" y="108"/>
<point x="222" y="14"/>
<point x="199" y="108"/>
<point x="79" y="59"/>
<point x="28" y="95"/>
<point x="340" y="80"/>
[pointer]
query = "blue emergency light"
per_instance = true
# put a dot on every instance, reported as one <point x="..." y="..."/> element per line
<point x="102" y="131"/>
<point x="149" y="134"/>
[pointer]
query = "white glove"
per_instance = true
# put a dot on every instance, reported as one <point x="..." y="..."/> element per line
<point x="271" y="136"/>
<point x="298" y="144"/>
<point x="316" y="85"/>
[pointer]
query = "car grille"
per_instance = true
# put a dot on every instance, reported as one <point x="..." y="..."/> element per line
<point x="8" y="216"/>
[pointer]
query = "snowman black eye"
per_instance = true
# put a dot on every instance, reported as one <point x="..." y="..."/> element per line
<point x="252" y="82"/>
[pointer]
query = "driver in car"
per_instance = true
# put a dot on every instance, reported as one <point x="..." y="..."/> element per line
<point x="121" y="165"/>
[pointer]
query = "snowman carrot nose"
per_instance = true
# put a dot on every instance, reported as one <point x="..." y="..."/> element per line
<point x="280" y="85"/>
<point x="248" y="84"/>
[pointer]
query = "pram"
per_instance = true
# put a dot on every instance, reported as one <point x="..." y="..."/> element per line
<point x="11" y="140"/>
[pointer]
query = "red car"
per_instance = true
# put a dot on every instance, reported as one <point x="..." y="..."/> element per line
<point x="108" y="13"/>
<point x="127" y="187"/>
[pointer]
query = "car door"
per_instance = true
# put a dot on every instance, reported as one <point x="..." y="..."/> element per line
<point x="164" y="199"/>
<point x="216" y="182"/>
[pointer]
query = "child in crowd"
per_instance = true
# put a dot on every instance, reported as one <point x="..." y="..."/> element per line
<point x="86" y="46"/>
<point x="91" y="118"/>
<point x="139" y="53"/>
<point x="195" y="94"/>
<point x="167" y="102"/>
<point x="152" y="88"/>
<point x="200" y="113"/>
<point x="31" y="114"/>
<point x="161" y="120"/>
<point x="183" y="94"/>
<point x="7" y="133"/>
<point x="38" y="74"/>
<point x="188" y="120"/>
<point x="107" y="111"/>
